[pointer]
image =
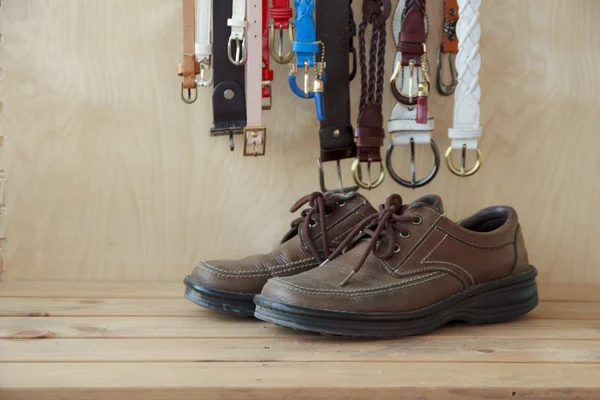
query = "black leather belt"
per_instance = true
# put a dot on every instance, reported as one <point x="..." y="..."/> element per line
<point x="351" y="42"/>
<point x="336" y="134"/>
<point x="229" y="97"/>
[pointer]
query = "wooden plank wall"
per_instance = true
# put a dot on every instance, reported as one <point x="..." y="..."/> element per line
<point x="112" y="177"/>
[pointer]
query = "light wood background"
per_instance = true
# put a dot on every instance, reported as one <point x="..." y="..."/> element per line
<point x="112" y="177"/>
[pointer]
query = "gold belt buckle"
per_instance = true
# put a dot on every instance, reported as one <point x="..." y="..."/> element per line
<point x="356" y="174"/>
<point x="463" y="171"/>
<point x="255" y="141"/>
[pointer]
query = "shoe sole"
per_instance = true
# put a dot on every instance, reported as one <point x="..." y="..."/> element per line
<point x="491" y="302"/>
<point x="238" y="304"/>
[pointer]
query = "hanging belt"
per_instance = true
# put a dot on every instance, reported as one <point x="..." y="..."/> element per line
<point x="410" y="124"/>
<point x="309" y="54"/>
<point x="466" y="130"/>
<point x="336" y="135"/>
<point x="411" y="20"/>
<point x="267" y="72"/>
<point x="369" y="132"/>
<point x="351" y="37"/>
<point x="203" y="41"/>
<point x="189" y="68"/>
<point x="280" y="13"/>
<point x="229" y="101"/>
<point x="255" y="134"/>
<point x="449" y="47"/>
<point x="238" y="24"/>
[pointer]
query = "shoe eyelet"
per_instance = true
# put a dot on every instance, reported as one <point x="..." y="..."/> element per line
<point x="418" y="220"/>
<point x="404" y="235"/>
<point x="396" y="248"/>
<point x="313" y="223"/>
<point x="341" y="203"/>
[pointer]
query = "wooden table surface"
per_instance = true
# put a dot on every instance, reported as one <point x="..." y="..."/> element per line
<point x="108" y="341"/>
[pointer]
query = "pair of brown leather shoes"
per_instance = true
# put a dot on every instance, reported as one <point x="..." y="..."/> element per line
<point x="346" y="269"/>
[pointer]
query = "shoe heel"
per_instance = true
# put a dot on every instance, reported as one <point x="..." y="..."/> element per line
<point x="518" y="297"/>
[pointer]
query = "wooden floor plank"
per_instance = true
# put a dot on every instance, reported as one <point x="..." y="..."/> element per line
<point x="270" y="381"/>
<point x="59" y="307"/>
<point x="566" y="310"/>
<point x="151" y="327"/>
<point x="301" y="349"/>
<point x="219" y="326"/>
<point x="175" y="290"/>
<point x="92" y="289"/>
<point x="15" y="307"/>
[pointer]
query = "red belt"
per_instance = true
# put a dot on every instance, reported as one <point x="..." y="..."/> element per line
<point x="267" y="73"/>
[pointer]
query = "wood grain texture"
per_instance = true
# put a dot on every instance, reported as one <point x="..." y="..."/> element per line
<point x="302" y="349"/>
<point x="228" y="327"/>
<point x="314" y="380"/>
<point x="112" y="177"/>
<point x="127" y="354"/>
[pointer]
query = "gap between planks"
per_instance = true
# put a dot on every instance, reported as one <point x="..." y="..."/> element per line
<point x="153" y="290"/>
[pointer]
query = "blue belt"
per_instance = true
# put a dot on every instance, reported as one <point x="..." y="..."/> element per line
<point x="307" y="49"/>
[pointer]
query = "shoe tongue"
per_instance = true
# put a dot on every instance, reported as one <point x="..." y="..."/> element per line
<point x="431" y="200"/>
<point x="343" y="196"/>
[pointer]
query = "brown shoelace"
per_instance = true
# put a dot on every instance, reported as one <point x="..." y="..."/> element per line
<point x="384" y="241"/>
<point x="319" y="206"/>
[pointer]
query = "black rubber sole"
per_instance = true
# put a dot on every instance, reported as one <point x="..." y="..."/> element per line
<point x="237" y="304"/>
<point x="490" y="302"/>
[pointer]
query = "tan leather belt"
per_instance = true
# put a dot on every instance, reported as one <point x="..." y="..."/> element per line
<point x="449" y="40"/>
<point x="189" y="68"/>
<point x="449" y="48"/>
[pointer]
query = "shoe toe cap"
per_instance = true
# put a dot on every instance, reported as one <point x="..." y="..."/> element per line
<point x="211" y="275"/>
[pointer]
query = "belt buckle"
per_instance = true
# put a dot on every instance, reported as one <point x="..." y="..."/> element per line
<point x="278" y="55"/>
<point x="254" y="137"/>
<point x="341" y="189"/>
<point x="206" y="75"/>
<point x="463" y="171"/>
<point x="227" y="129"/>
<point x="356" y="174"/>
<point x="443" y="89"/>
<point x="410" y="99"/>
<point x="240" y="50"/>
<point x="413" y="183"/>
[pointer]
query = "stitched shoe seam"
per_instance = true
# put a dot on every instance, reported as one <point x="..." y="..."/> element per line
<point x="334" y="224"/>
<point x="342" y="218"/>
<point x="419" y="243"/>
<point x="474" y="246"/>
<point x="266" y="271"/>
<point x="401" y="274"/>
<point x="262" y="274"/>
<point x="356" y="292"/>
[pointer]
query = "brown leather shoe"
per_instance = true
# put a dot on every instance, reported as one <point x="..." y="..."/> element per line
<point x="228" y="286"/>
<point x="412" y="271"/>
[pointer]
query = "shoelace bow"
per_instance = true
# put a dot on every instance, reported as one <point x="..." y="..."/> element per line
<point x="320" y="205"/>
<point x="384" y="242"/>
